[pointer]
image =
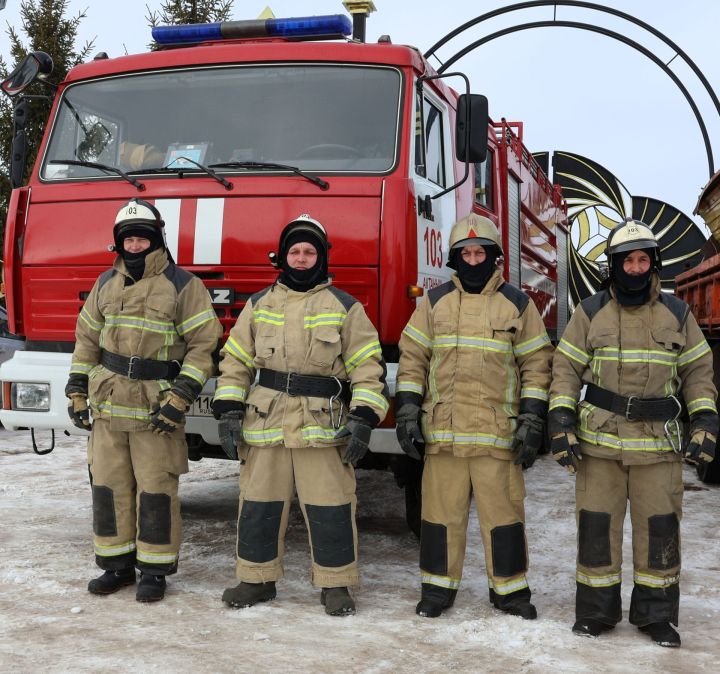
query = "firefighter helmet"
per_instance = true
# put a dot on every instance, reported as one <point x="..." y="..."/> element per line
<point x="632" y="235"/>
<point x="302" y="228"/>
<point x="475" y="230"/>
<point x="138" y="218"/>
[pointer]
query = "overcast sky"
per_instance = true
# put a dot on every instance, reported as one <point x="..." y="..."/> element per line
<point x="575" y="90"/>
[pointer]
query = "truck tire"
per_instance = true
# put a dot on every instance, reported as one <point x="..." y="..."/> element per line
<point x="710" y="473"/>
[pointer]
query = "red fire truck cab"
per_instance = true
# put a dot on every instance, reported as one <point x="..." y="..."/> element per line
<point x="233" y="138"/>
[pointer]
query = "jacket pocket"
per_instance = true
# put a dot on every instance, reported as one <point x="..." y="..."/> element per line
<point x="669" y="340"/>
<point x="161" y="308"/>
<point x="604" y="338"/>
<point x="267" y="344"/>
<point x="100" y="386"/>
<point x="504" y="329"/>
<point x="261" y="426"/>
<point x="261" y="401"/>
<point x="325" y="347"/>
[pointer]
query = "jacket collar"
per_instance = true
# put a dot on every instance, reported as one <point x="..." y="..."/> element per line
<point x="494" y="282"/>
<point x="155" y="263"/>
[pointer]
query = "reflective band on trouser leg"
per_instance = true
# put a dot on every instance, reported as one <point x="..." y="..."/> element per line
<point x="656" y="508"/>
<point x="266" y="488"/>
<point x="113" y="495"/>
<point x="326" y="491"/>
<point x="601" y="501"/>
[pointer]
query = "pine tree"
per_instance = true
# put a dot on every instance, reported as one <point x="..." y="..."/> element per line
<point x="174" y="12"/>
<point x="48" y="29"/>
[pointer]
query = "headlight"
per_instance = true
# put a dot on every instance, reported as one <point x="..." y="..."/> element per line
<point x="27" y="396"/>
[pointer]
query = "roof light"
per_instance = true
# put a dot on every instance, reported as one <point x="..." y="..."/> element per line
<point x="333" y="25"/>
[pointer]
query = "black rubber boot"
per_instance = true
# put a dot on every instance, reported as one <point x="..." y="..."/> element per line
<point x="112" y="581"/>
<point x="434" y="600"/>
<point x="663" y="634"/>
<point x="337" y="601"/>
<point x="150" y="588"/>
<point x="246" y="595"/>
<point x="516" y="603"/>
<point x="588" y="627"/>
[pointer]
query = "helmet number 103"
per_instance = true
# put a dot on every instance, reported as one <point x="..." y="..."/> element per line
<point x="433" y="247"/>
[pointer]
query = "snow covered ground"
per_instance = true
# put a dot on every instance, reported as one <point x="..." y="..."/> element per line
<point x="50" y="623"/>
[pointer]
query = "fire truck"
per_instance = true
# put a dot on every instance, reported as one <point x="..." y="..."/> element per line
<point x="232" y="133"/>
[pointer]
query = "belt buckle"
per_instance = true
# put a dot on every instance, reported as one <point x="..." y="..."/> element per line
<point x="628" y="408"/>
<point x="288" y="384"/>
<point x="131" y="366"/>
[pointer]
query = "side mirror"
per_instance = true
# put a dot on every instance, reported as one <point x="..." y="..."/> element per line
<point x="37" y="65"/>
<point x="471" y="128"/>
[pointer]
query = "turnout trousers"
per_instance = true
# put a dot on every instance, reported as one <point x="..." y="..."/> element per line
<point x="326" y="492"/>
<point x="447" y="485"/>
<point x="136" y="512"/>
<point x="603" y="489"/>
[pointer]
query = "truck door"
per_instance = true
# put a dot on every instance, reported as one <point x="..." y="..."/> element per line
<point x="432" y="172"/>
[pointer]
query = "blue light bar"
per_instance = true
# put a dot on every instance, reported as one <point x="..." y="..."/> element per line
<point x="333" y="25"/>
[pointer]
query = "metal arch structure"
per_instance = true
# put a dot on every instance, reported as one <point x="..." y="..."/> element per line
<point x="597" y="29"/>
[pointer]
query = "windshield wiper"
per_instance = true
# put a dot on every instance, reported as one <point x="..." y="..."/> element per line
<point x="263" y="165"/>
<point x="101" y="167"/>
<point x="180" y="171"/>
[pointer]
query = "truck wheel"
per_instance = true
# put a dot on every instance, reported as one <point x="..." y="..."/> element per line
<point x="710" y="473"/>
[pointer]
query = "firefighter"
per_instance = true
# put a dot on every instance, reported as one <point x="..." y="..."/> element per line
<point x="642" y="357"/>
<point x="472" y="395"/>
<point x="321" y="382"/>
<point x="144" y="344"/>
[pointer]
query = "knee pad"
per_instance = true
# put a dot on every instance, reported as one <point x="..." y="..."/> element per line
<point x="258" y="530"/>
<point x="104" y="522"/>
<point x="508" y="550"/>
<point x="331" y="534"/>
<point x="594" y="539"/>
<point x="663" y="541"/>
<point x="433" y="548"/>
<point x="155" y="518"/>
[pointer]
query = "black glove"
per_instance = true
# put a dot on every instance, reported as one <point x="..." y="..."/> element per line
<point x="78" y="411"/>
<point x="170" y="415"/>
<point x="528" y="438"/>
<point x="408" y="431"/>
<point x="230" y="431"/>
<point x="566" y="450"/>
<point x="701" y="448"/>
<point x="359" y="431"/>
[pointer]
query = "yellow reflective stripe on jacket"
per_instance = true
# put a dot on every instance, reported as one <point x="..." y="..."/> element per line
<point x="264" y="316"/>
<point x="114" y="550"/>
<point x="265" y="436"/>
<point x="234" y="349"/>
<point x="509" y="587"/>
<point x="196" y="321"/>
<point x="367" y="396"/>
<point x="655" y="581"/>
<point x="417" y="336"/>
<point x="440" y="581"/>
<point x="362" y="355"/>
<point x="482" y="343"/>
<point x="86" y="318"/>
<point x="193" y="372"/>
<point x="140" y="323"/>
<point x="317" y="320"/>
<point x="81" y="368"/>
<point x="598" y="581"/>
<point x="635" y="356"/>
<point x="697" y="405"/>
<point x="124" y="412"/>
<point x="698" y="351"/>
<point x="562" y="401"/>
<point x="230" y="393"/>
<point x="409" y="387"/>
<point x="531" y="392"/>
<point x="156" y="557"/>
<point x="624" y="444"/>
<point x="319" y="432"/>
<point x="573" y="352"/>
<point x="531" y="345"/>
<point x="469" y="438"/>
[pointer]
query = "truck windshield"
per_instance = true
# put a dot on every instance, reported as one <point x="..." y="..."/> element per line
<point x="318" y="118"/>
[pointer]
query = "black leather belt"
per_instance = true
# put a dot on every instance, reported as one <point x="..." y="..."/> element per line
<point x="632" y="407"/>
<point x="135" y="367"/>
<point x="295" y="384"/>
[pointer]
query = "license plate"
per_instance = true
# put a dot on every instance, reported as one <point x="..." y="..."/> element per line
<point x="201" y="407"/>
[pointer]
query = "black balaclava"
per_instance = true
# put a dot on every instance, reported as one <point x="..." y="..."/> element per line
<point x="631" y="290"/>
<point x="135" y="262"/>
<point x="474" y="277"/>
<point x="302" y="280"/>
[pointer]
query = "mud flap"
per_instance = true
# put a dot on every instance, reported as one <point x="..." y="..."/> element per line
<point x="104" y="522"/>
<point x="331" y="533"/>
<point x="663" y="541"/>
<point x="155" y="518"/>
<point x="258" y="530"/>
<point x="433" y="548"/>
<point x="508" y="550"/>
<point x="594" y="539"/>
